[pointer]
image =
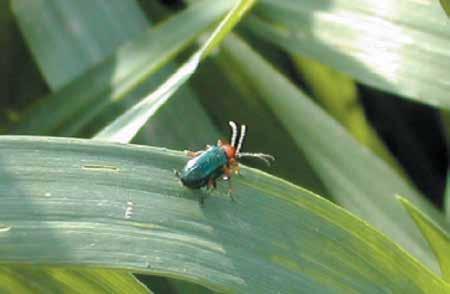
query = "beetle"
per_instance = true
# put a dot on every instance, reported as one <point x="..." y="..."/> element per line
<point x="221" y="160"/>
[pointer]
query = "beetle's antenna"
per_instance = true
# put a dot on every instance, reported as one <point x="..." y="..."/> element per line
<point x="241" y="138"/>
<point x="264" y="157"/>
<point x="233" y="127"/>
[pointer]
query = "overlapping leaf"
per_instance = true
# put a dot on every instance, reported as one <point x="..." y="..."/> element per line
<point x="81" y="33"/>
<point x="44" y="279"/>
<point x="398" y="46"/>
<point x="356" y="178"/>
<point x="438" y="238"/>
<point x="120" y="206"/>
<point x="114" y="78"/>
<point x="125" y="127"/>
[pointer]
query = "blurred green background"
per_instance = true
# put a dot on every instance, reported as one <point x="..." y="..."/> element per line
<point x="50" y="51"/>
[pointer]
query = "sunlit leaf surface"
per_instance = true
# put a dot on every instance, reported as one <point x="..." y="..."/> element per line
<point x="356" y="178"/>
<point x="125" y="127"/>
<point x="109" y="82"/>
<point x="43" y="280"/>
<point x="120" y="206"/>
<point x="398" y="46"/>
<point x="438" y="238"/>
<point x="446" y="6"/>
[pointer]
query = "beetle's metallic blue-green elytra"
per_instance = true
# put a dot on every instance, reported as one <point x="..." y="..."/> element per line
<point x="208" y="165"/>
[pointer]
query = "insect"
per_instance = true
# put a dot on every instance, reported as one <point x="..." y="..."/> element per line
<point x="221" y="160"/>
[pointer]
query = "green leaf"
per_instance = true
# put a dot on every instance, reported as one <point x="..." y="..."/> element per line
<point x="446" y="6"/>
<point x="355" y="178"/>
<point x="379" y="43"/>
<point x="437" y="237"/>
<point x="445" y="118"/>
<point x="447" y="195"/>
<point x="337" y="93"/>
<point x="120" y="206"/>
<point x="124" y="128"/>
<point x="77" y="104"/>
<point x="86" y="33"/>
<point x="39" y="279"/>
<point x="20" y="78"/>
<point x="66" y="38"/>
<point x="235" y="98"/>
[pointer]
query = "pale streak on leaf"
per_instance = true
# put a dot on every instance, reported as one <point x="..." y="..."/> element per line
<point x="125" y="127"/>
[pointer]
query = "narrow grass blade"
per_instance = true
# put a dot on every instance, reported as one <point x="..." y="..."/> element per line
<point x="234" y="98"/>
<point x="114" y="79"/>
<point x="43" y="280"/>
<point x="436" y="236"/>
<point x="445" y="118"/>
<point x="124" y="128"/>
<point x="446" y="6"/>
<point x="120" y="206"/>
<point x="69" y="30"/>
<point x="337" y="93"/>
<point x="355" y="178"/>
<point x="67" y="38"/>
<point x="447" y="196"/>
<point x="380" y="43"/>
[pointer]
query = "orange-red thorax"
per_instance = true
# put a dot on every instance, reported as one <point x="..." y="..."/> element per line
<point x="230" y="151"/>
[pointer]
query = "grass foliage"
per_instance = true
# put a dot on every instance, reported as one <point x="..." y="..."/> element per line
<point x="85" y="211"/>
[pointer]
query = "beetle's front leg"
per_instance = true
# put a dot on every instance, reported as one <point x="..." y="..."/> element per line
<point x="234" y="167"/>
<point x="237" y="169"/>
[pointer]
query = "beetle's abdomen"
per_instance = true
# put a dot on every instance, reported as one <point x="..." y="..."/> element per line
<point x="197" y="171"/>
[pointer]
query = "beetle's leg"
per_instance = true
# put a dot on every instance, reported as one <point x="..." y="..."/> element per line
<point x="227" y="172"/>
<point x="211" y="184"/>
<point x="230" y="190"/>
<point x="177" y="173"/>
<point x="193" y="153"/>
<point x="234" y="166"/>
<point x="237" y="169"/>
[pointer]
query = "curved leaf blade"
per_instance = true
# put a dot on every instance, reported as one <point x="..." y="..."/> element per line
<point x="42" y="280"/>
<point x="86" y="33"/>
<point x="356" y="179"/>
<point x="124" y="128"/>
<point x="436" y="236"/>
<point x="120" y="206"/>
<point x="446" y="6"/>
<point x="113" y="79"/>
<point x="379" y="43"/>
<point x="67" y="38"/>
<point x="338" y="95"/>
